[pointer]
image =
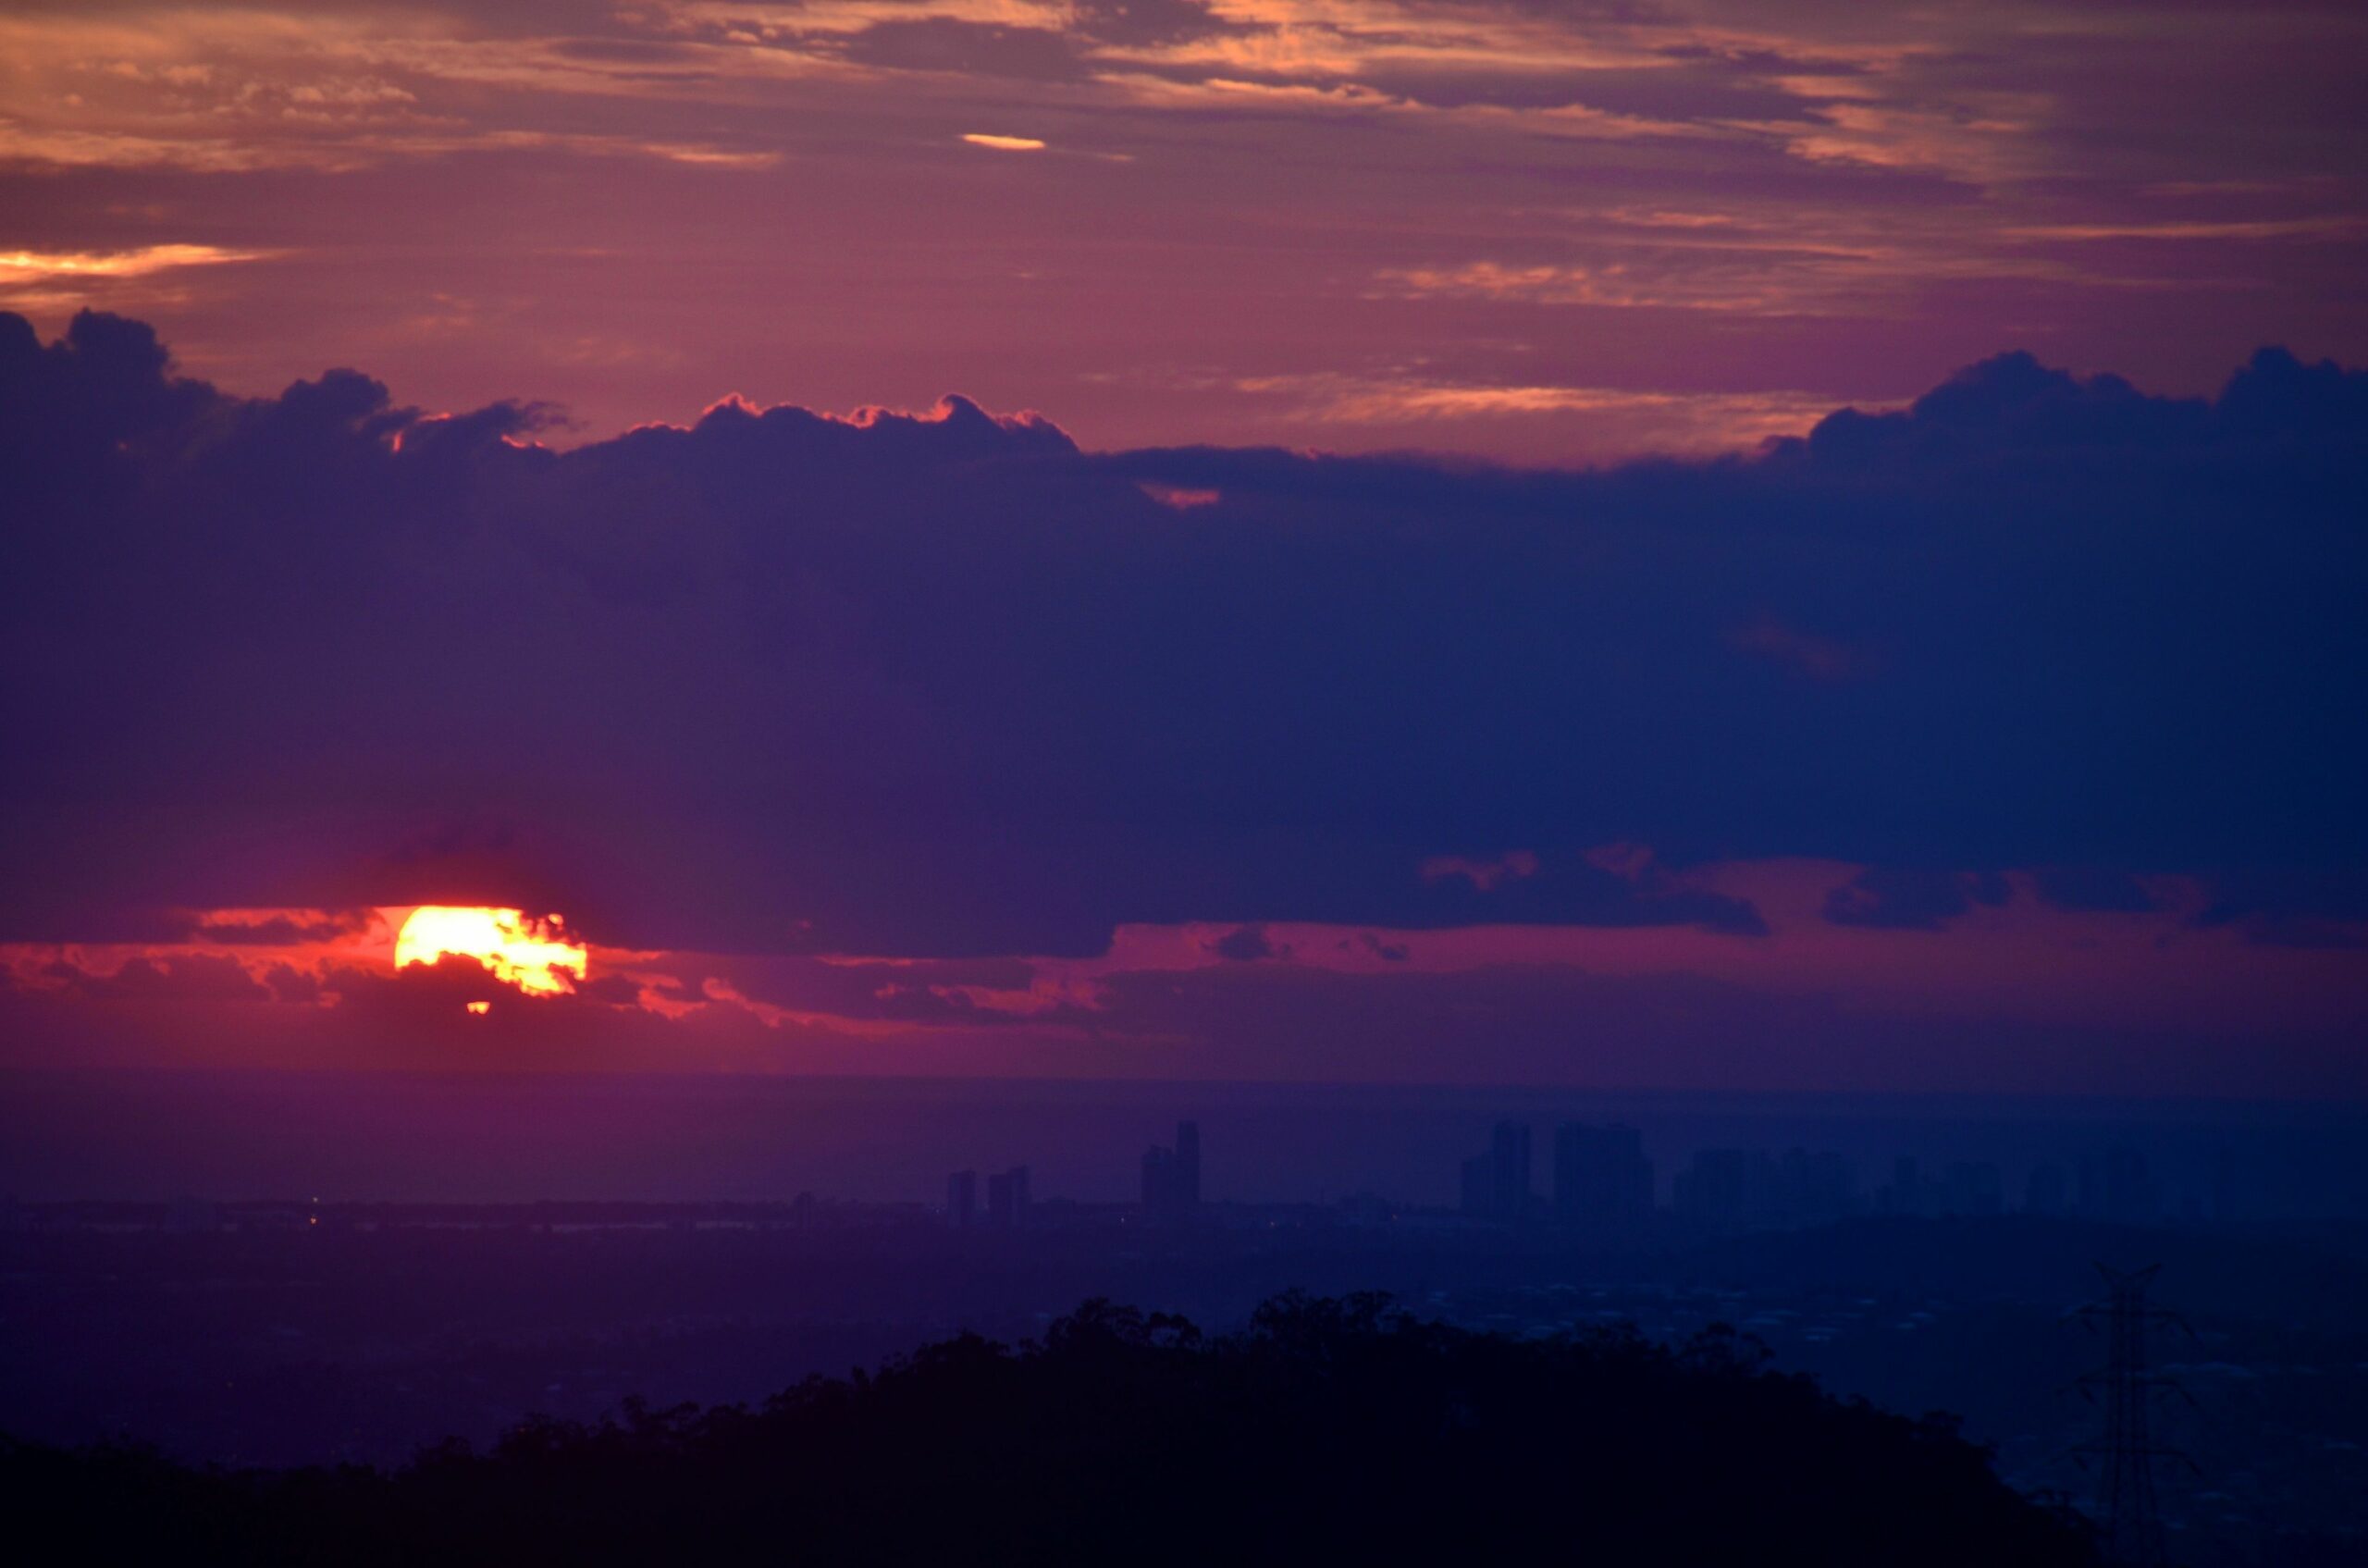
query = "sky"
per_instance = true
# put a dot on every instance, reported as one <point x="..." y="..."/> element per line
<point x="1545" y="230"/>
<point x="1788" y="547"/>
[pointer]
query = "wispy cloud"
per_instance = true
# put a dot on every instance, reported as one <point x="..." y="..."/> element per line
<point x="2328" y="226"/>
<point x="1686" y="422"/>
<point x="59" y="277"/>
<point x="26" y="266"/>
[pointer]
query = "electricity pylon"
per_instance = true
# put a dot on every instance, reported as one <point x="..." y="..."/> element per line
<point x="2125" y="1455"/>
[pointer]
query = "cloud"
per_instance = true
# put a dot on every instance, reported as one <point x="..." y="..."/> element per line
<point x="2323" y="907"/>
<point x="24" y="270"/>
<point x="2096" y="888"/>
<point x="1141" y="23"/>
<point x="949" y="44"/>
<point x="1908" y="898"/>
<point x="1617" y="286"/>
<point x="196" y="978"/>
<point x="288" y="983"/>
<point x="944" y="685"/>
<point x="1484" y="875"/>
<point x="261" y="928"/>
<point x="1246" y="945"/>
<point x="1647" y="421"/>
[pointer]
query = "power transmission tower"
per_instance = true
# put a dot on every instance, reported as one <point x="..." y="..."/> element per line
<point x="2125" y="1453"/>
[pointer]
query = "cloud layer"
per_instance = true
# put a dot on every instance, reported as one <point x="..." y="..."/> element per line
<point x="946" y="684"/>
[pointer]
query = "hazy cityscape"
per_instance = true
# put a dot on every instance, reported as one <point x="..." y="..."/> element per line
<point x="1921" y="1281"/>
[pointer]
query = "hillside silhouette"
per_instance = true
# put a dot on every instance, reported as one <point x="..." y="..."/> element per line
<point x="1329" y="1430"/>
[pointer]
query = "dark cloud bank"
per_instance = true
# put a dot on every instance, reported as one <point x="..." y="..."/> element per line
<point x="949" y="685"/>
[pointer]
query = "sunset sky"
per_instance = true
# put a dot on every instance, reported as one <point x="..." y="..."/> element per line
<point x="1708" y="545"/>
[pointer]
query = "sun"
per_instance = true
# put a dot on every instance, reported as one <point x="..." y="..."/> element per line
<point x="539" y="956"/>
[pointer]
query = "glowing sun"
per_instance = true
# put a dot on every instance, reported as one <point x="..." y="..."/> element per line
<point x="538" y="957"/>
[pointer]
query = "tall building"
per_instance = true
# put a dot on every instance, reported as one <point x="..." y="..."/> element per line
<point x="1171" y="1177"/>
<point x="1007" y="1198"/>
<point x="1602" y="1176"/>
<point x="962" y="1199"/>
<point x="1496" y="1184"/>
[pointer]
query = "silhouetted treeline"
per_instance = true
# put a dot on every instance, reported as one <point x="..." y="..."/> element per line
<point x="1328" y="1431"/>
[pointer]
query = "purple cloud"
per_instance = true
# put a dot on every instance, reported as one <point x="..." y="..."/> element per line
<point x="946" y="684"/>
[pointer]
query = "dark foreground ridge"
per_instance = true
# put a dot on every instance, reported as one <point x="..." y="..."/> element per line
<point x="1330" y="1431"/>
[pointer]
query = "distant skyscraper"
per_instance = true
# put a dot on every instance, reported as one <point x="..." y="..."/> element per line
<point x="2048" y="1192"/>
<point x="1171" y="1177"/>
<point x="1007" y="1198"/>
<point x="962" y="1199"/>
<point x="1602" y="1176"/>
<point x="1496" y="1185"/>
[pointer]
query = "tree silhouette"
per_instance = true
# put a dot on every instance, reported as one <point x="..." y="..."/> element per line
<point x="1327" y="1430"/>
